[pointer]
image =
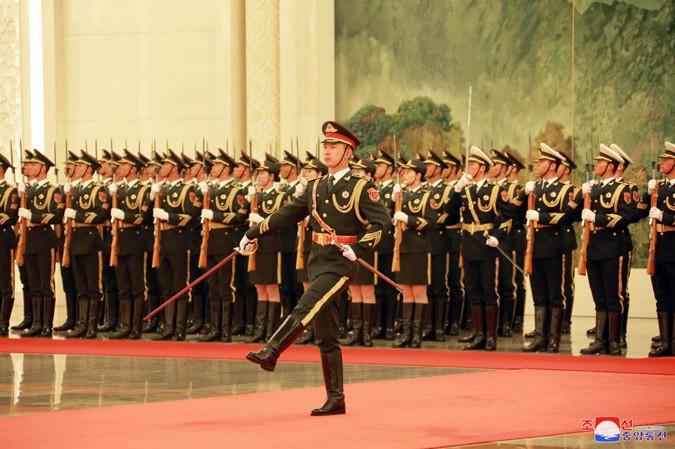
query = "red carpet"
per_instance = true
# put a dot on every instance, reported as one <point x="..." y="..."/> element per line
<point x="413" y="413"/>
<point x="369" y="356"/>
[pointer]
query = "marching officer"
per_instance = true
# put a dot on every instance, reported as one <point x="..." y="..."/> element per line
<point x="221" y="215"/>
<point x="134" y="208"/>
<point x="548" y="265"/>
<point x="89" y="211"/>
<point x="44" y="208"/>
<point x="9" y="213"/>
<point x="663" y="279"/>
<point x="611" y="211"/>
<point x="340" y="205"/>
<point x="480" y="204"/>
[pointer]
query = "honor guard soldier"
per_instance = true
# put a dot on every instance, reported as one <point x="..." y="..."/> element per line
<point x="574" y="205"/>
<point x="386" y="296"/>
<point x="221" y="215"/>
<point x="9" y="213"/>
<point x="290" y="288"/>
<point x="179" y="207"/>
<point x="341" y="207"/>
<point x="245" y="292"/>
<point x="548" y="264"/>
<point x="417" y="217"/>
<point x="437" y="291"/>
<point x="44" y="208"/>
<point x="266" y="274"/>
<point x="662" y="212"/>
<point x="480" y="204"/>
<point x="90" y="209"/>
<point x="610" y="212"/>
<point x="134" y="208"/>
<point x="453" y="234"/>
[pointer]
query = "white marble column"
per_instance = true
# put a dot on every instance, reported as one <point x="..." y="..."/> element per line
<point x="10" y="71"/>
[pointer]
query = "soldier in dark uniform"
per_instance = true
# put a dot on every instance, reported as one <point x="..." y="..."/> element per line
<point x="44" y="208"/>
<point x="267" y="273"/>
<point x="611" y="211"/>
<point x="178" y="211"/>
<point x="224" y="214"/>
<point x="133" y="209"/>
<point x="147" y="177"/>
<point x="9" y="209"/>
<point x="663" y="279"/>
<point x="346" y="204"/>
<point x="386" y="296"/>
<point x="89" y="211"/>
<point x="548" y="264"/>
<point x="480" y="204"/>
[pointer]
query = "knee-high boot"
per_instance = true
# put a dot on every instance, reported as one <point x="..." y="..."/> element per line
<point x="357" y="325"/>
<point x="71" y="300"/>
<point x="273" y="317"/>
<point x="557" y="316"/>
<point x="477" y="319"/>
<point x="407" y="311"/>
<point x="137" y="320"/>
<point x="111" y="305"/>
<point x="5" y="314"/>
<point x="82" y="317"/>
<point x="418" y="324"/>
<point x="260" y="323"/>
<point x="439" y="319"/>
<point x="614" y="319"/>
<point x="599" y="346"/>
<point x="331" y="363"/>
<point x="48" y="317"/>
<point x="285" y="335"/>
<point x="390" y="317"/>
<point x="491" y="328"/>
<point x="151" y="324"/>
<point x="198" y="320"/>
<point x="665" y="320"/>
<point x="367" y="320"/>
<point x="539" y="342"/>
<point x="226" y="326"/>
<point x="36" y="328"/>
<point x="169" y="319"/>
<point x="124" y="328"/>
<point x="181" y="319"/>
<point x="455" y="314"/>
<point x="92" y="321"/>
<point x="624" y="324"/>
<point x="27" y="322"/>
<point x="215" y="309"/>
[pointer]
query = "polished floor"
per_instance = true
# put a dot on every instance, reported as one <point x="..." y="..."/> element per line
<point x="32" y="383"/>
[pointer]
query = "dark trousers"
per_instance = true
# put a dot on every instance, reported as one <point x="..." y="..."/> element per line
<point x="289" y="289"/>
<point x="40" y="271"/>
<point x="220" y="282"/>
<point x="519" y="245"/>
<point x="437" y="292"/>
<point x="480" y="282"/>
<point x="507" y="288"/>
<point x="663" y="283"/>
<point x="247" y="296"/>
<point x="130" y="273"/>
<point x="546" y="281"/>
<point x="568" y="288"/>
<point x="604" y="277"/>
<point x="68" y="281"/>
<point x="6" y="274"/>
<point x="88" y="275"/>
<point x="152" y="282"/>
<point x="174" y="272"/>
<point x="456" y="287"/>
<point x="385" y="293"/>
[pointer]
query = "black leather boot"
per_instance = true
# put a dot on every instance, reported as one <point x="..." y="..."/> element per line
<point x="517" y="324"/>
<point x="507" y="319"/>
<point x="357" y="325"/>
<point x="273" y="318"/>
<point x="665" y="330"/>
<point x="5" y="313"/>
<point x="624" y="323"/>
<point x="80" y="329"/>
<point x="150" y="326"/>
<point x="36" y="328"/>
<point x="226" y="321"/>
<point x="285" y="335"/>
<point x="367" y="317"/>
<point x="111" y="305"/>
<point x="417" y="325"/>
<point x="390" y="318"/>
<point x="477" y="319"/>
<point x="614" y="332"/>
<point x="331" y="363"/>
<point x="308" y="336"/>
<point x="439" y="319"/>
<point x="455" y="314"/>
<point x="539" y="342"/>
<point x="427" y="324"/>
<point x="198" y="320"/>
<point x="47" y="317"/>
<point x="69" y="324"/>
<point x="599" y="346"/>
<point x="169" y="320"/>
<point x="557" y="317"/>
<point x="260" y="323"/>
<point x="27" y="322"/>
<point x="92" y="321"/>
<point x="567" y="321"/>
<point x="491" y="328"/>
<point x="404" y="339"/>
<point x="124" y="328"/>
<point x="137" y="320"/>
<point x="215" y="310"/>
<point x="181" y="319"/>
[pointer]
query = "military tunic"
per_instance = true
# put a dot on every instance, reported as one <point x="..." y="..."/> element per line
<point x="9" y="207"/>
<point x="418" y="204"/>
<point x="268" y="257"/>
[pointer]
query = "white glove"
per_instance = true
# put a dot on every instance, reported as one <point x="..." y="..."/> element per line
<point x="243" y="243"/>
<point x="532" y="215"/>
<point x="69" y="213"/>
<point x="25" y="213"/>
<point x="401" y="216"/>
<point x="117" y="214"/>
<point x="21" y="187"/>
<point x="656" y="213"/>
<point x="155" y="189"/>
<point x="462" y="182"/>
<point x="586" y="188"/>
<point x="529" y="187"/>
<point x="492" y="242"/>
<point x="67" y="187"/>
<point x="251" y="193"/>
<point x="299" y="189"/>
<point x="112" y="188"/>
<point x="207" y="214"/>
<point x="160" y="214"/>
<point x="277" y="187"/>
<point x="588" y="215"/>
<point x="349" y="253"/>
<point x="203" y="186"/>
<point x="651" y="186"/>
<point x="254" y="218"/>
<point x="396" y="191"/>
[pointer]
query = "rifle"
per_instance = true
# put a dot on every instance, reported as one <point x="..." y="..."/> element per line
<point x="531" y="202"/>
<point x="58" y="228"/>
<point x="158" y="233"/>
<point x="254" y="200"/>
<point x="586" y="233"/>
<point x="114" y="246"/>
<point x="398" y="204"/>
<point x="23" y="224"/>
<point x="300" y="257"/>
<point x="65" y="257"/>
<point x="206" y="224"/>
<point x="653" y="234"/>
